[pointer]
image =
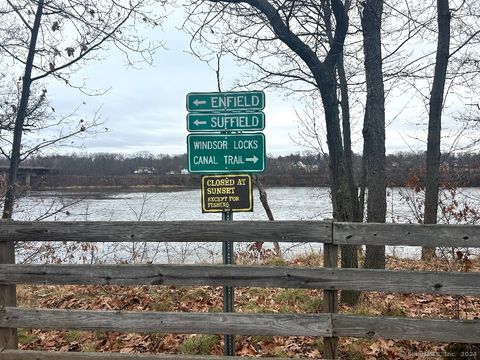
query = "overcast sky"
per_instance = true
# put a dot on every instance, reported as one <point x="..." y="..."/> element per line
<point x="144" y="110"/>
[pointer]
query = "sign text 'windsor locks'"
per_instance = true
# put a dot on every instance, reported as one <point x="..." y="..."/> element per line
<point x="226" y="153"/>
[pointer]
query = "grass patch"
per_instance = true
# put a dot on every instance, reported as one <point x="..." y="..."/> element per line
<point x="26" y="337"/>
<point x="162" y="305"/>
<point x="362" y="309"/>
<point x="255" y="308"/>
<point x="255" y="339"/>
<point x="355" y="354"/>
<point x="313" y="305"/>
<point x="393" y="311"/>
<point x="89" y="347"/>
<point x="295" y="300"/>
<point x="319" y="345"/>
<point x="256" y="291"/>
<point x="215" y="309"/>
<point x="195" y="294"/>
<point x="72" y="336"/>
<point x="199" y="345"/>
<point x="280" y="353"/>
<point x="357" y="350"/>
<point x="291" y="296"/>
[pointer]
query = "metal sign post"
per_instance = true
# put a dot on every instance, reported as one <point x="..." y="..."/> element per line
<point x="228" y="291"/>
<point x="224" y="142"/>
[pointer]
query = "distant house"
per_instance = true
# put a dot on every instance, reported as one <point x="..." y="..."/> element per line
<point x="302" y="166"/>
<point x="145" y="170"/>
<point x="299" y="165"/>
<point x="182" y="172"/>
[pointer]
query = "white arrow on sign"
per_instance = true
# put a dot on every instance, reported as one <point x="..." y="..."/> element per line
<point x="199" y="102"/>
<point x="254" y="159"/>
<point x="199" y="122"/>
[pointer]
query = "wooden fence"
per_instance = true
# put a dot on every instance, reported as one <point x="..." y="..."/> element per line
<point x="329" y="325"/>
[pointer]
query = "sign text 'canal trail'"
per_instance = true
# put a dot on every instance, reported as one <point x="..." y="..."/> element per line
<point x="226" y="153"/>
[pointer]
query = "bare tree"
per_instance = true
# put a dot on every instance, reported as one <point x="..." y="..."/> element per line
<point x="292" y="45"/>
<point x="54" y="38"/>
<point x="43" y="127"/>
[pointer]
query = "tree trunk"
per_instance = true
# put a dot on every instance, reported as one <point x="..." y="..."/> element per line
<point x="343" y="201"/>
<point x="374" y="126"/>
<point x="349" y="252"/>
<point x="347" y="140"/>
<point x="20" y="117"/>
<point x="266" y="207"/>
<point x="435" y="120"/>
<point x="9" y="337"/>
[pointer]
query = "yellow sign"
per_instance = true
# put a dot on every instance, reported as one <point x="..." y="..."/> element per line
<point x="227" y="193"/>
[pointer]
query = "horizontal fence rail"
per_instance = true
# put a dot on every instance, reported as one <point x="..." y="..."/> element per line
<point x="464" y="331"/>
<point x="245" y="231"/>
<point x="325" y="325"/>
<point x="165" y="322"/>
<point x="406" y="234"/>
<point x="446" y="283"/>
<point x="167" y="231"/>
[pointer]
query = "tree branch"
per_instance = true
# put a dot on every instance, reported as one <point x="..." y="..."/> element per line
<point x="20" y="15"/>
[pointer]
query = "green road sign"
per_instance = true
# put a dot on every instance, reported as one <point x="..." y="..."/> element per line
<point x="227" y="153"/>
<point x="235" y="121"/>
<point x="225" y="101"/>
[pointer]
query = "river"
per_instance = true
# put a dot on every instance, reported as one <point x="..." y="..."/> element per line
<point x="287" y="203"/>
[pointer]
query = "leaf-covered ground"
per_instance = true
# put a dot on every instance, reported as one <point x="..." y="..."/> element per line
<point x="209" y="299"/>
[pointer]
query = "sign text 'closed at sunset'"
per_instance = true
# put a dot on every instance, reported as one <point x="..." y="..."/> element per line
<point x="227" y="193"/>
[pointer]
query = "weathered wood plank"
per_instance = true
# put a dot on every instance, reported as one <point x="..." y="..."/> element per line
<point x="406" y="234"/>
<point x="8" y="292"/>
<point x="464" y="331"/>
<point x="243" y="231"/>
<point x="57" y="355"/>
<point x="429" y="282"/>
<point x="330" y="299"/>
<point x="168" y="231"/>
<point x="453" y="283"/>
<point x="179" y="322"/>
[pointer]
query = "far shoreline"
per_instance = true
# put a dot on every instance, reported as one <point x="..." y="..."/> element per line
<point x="116" y="188"/>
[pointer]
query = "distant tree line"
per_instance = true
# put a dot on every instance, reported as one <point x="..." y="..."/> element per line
<point x="110" y="169"/>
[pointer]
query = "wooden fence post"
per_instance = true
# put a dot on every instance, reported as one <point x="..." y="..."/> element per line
<point x="330" y="298"/>
<point x="8" y="294"/>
